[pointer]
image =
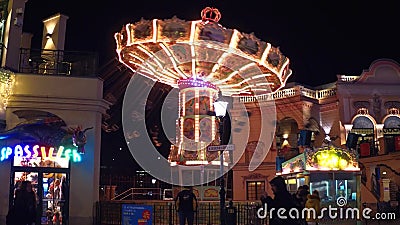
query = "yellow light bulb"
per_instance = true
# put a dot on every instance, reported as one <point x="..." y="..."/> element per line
<point x="343" y="164"/>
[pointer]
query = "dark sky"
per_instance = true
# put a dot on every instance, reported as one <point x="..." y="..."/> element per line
<point x="321" y="38"/>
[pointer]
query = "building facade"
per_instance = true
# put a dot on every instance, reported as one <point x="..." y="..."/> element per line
<point x="51" y="114"/>
<point x="360" y="112"/>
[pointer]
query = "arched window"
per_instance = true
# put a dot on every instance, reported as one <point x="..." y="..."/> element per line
<point x="363" y="122"/>
<point x="392" y="122"/>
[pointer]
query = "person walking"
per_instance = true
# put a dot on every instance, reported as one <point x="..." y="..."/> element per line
<point x="313" y="202"/>
<point x="64" y="199"/>
<point x="282" y="199"/>
<point x="186" y="205"/>
<point x="25" y="204"/>
<point x="300" y="199"/>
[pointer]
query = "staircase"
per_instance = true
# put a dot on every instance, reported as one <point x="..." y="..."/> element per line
<point x="372" y="193"/>
<point x="368" y="195"/>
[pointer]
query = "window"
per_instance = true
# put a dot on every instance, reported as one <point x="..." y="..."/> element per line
<point x="255" y="189"/>
<point x="293" y="183"/>
<point x="332" y="186"/>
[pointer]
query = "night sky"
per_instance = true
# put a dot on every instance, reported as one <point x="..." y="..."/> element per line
<point x="321" y="38"/>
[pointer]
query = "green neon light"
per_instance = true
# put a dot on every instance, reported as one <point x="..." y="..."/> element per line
<point x="28" y="151"/>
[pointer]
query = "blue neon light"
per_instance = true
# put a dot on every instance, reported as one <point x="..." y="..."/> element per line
<point x="28" y="151"/>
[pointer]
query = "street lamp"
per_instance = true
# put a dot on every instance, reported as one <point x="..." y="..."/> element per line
<point x="220" y="111"/>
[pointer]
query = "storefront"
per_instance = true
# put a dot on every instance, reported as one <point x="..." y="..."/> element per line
<point x="334" y="172"/>
<point x="47" y="130"/>
<point x="48" y="169"/>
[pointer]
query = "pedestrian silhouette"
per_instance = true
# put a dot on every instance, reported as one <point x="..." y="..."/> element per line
<point x="282" y="199"/>
<point x="186" y="205"/>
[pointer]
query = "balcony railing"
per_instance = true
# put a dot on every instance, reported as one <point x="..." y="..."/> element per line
<point x="291" y="92"/>
<point x="344" y="78"/>
<point x="57" y="62"/>
<point x="326" y="93"/>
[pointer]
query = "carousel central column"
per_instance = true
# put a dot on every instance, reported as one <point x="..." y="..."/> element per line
<point x="196" y="128"/>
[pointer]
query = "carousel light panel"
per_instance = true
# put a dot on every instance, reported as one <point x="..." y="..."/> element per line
<point x="331" y="158"/>
<point x="322" y="159"/>
<point x="196" y="98"/>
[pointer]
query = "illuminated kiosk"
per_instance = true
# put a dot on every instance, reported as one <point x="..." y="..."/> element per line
<point x="201" y="58"/>
<point x="333" y="171"/>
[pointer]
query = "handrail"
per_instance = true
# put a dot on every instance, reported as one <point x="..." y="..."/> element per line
<point x="326" y="93"/>
<point x="131" y="192"/>
<point x="121" y="194"/>
<point x="390" y="168"/>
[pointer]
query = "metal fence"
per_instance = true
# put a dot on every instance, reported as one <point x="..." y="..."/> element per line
<point x="57" y="62"/>
<point x="164" y="213"/>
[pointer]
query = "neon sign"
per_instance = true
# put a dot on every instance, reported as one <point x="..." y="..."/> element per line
<point x="28" y="151"/>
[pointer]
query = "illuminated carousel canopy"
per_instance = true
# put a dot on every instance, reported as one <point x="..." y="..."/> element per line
<point x="170" y="50"/>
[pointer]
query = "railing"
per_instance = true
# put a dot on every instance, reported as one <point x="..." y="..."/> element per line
<point x="137" y="193"/>
<point x="57" y="62"/>
<point x="164" y="213"/>
<point x="286" y="93"/>
<point x="326" y="93"/>
<point x="290" y="92"/>
<point x="308" y="92"/>
<point x="344" y="78"/>
<point x="390" y="168"/>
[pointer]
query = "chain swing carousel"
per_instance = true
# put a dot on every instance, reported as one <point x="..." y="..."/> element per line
<point x="201" y="59"/>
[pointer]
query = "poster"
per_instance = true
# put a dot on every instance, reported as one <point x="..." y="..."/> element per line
<point x="201" y="192"/>
<point x="137" y="214"/>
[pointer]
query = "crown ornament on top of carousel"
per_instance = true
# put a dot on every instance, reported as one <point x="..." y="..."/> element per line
<point x="201" y="58"/>
<point x="210" y="14"/>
